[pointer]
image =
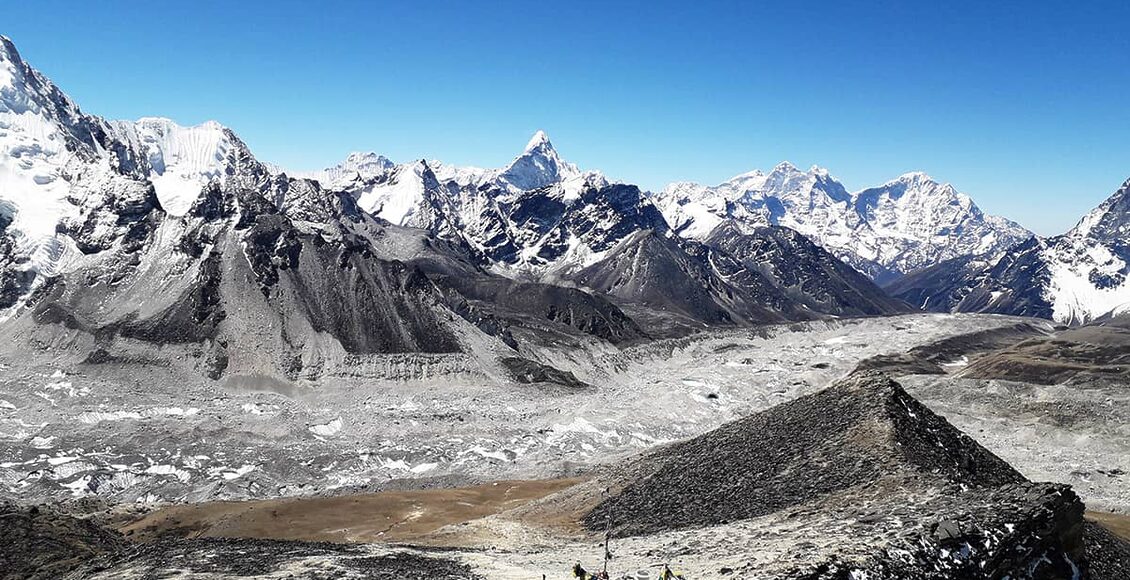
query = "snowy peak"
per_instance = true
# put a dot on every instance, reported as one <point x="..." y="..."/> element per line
<point x="357" y="166"/>
<point x="1074" y="278"/>
<point x="918" y="182"/>
<point x="540" y="141"/>
<point x="1110" y="221"/>
<point x="183" y="160"/>
<point x="12" y="67"/>
<point x="40" y="111"/>
<point x="785" y="167"/>
<point x="538" y="166"/>
<point x="399" y="195"/>
<point x="907" y="223"/>
<point x="912" y="177"/>
<point x="368" y="161"/>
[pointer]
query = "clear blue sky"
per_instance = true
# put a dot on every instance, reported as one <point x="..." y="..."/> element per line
<point x="1024" y="106"/>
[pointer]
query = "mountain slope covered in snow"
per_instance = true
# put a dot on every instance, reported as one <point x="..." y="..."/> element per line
<point x="906" y="224"/>
<point x="123" y="236"/>
<point x="1072" y="278"/>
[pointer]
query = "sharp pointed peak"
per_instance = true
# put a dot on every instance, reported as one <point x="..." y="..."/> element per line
<point x="785" y="166"/>
<point x="540" y="140"/>
<point x="8" y="50"/>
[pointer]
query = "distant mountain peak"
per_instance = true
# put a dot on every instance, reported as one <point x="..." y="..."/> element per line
<point x="539" y="165"/>
<point x="884" y="231"/>
<point x="539" y="141"/>
<point x="365" y="156"/>
<point x="8" y="50"/>
<point x="913" y="176"/>
<point x="165" y="122"/>
<point x="785" y="167"/>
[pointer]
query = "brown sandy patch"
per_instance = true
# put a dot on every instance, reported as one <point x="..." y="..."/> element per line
<point x="391" y="516"/>
<point x="1117" y="523"/>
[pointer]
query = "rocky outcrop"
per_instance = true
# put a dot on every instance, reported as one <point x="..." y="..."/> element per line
<point x="851" y="434"/>
<point x="886" y="488"/>
<point x="38" y="542"/>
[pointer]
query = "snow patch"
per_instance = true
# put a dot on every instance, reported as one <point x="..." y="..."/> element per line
<point x="327" y="429"/>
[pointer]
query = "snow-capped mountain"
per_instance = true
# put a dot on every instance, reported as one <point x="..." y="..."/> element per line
<point x="181" y="160"/>
<point x="1072" y="278"/>
<point x="138" y="233"/>
<point x="903" y="225"/>
<point x="537" y="216"/>
<point x="538" y="166"/>
<point x="158" y="233"/>
<point x="57" y="165"/>
<point x="142" y="232"/>
<point x="358" y="165"/>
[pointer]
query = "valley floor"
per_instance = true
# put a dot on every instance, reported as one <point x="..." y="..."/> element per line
<point x="433" y="457"/>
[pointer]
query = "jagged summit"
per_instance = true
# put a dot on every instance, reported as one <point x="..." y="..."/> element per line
<point x="1073" y="278"/>
<point x="367" y="157"/>
<point x="1110" y="221"/>
<point x="913" y="176"/>
<point x="539" y="141"/>
<point x="785" y="167"/>
<point x="539" y="165"/>
<point x="905" y="224"/>
<point x="9" y="54"/>
<point x="9" y="59"/>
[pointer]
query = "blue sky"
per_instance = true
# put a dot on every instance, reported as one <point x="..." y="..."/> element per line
<point x="1023" y="105"/>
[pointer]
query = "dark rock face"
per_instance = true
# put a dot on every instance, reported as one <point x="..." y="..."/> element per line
<point x="39" y="543"/>
<point x="806" y="272"/>
<point x="510" y="301"/>
<point x="194" y="317"/>
<point x="1029" y="531"/>
<point x="529" y="372"/>
<point x="369" y="305"/>
<point x="14" y="281"/>
<point x="1013" y="284"/>
<point x="236" y="557"/>
<point x="731" y="278"/>
<point x="891" y="490"/>
<point x="1108" y="556"/>
<point x="668" y="274"/>
<point x="845" y="436"/>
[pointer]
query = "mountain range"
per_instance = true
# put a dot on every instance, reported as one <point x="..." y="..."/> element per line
<point x="116" y="235"/>
<point x="887" y="231"/>
<point x="125" y="231"/>
<point x="1073" y="278"/>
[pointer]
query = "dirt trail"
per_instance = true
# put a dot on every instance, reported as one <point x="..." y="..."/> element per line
<point x="1117" y="523"/>
<point x="392" y="516"/>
